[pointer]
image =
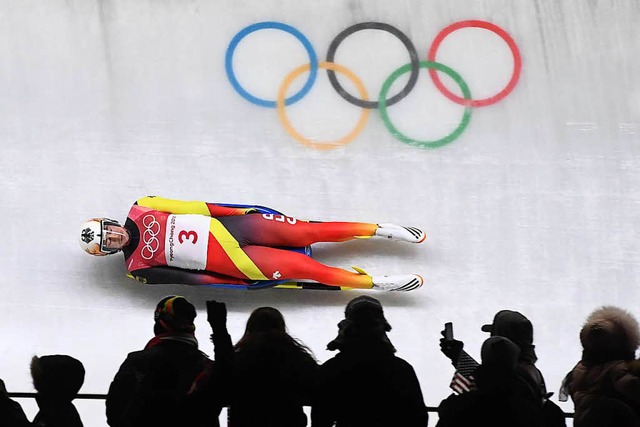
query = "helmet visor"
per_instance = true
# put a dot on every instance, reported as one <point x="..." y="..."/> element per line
<point x="111" y="237"/>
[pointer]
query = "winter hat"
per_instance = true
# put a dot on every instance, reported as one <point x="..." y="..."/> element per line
<point x="366" y="310"/>
<point x="500" y="352"/>
<point x="174" y="314"/>
<point x="364" y="322"/>
<point x="57" y="376"/>
<point x="609" y="333"/>
<point x="513" y="325"/>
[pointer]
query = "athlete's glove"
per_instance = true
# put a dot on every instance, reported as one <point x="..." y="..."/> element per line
<point x="451" y="348"/>
<point x="217" y="316"/>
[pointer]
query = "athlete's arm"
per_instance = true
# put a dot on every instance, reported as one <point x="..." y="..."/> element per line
<point x="190" y="207"/>
<point x="170" y="275"/>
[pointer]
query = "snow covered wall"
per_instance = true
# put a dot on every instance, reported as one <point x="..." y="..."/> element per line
<point x="508" y="130"/>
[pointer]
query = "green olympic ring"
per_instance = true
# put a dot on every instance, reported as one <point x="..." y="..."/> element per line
<point x="382" y="105"/>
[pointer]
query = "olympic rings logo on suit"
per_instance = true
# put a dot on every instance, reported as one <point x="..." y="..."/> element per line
<point x="413" y="67"/>
<point x="151" y="242"/>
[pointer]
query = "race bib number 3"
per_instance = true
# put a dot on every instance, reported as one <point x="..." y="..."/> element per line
<point x="186" y="242"/>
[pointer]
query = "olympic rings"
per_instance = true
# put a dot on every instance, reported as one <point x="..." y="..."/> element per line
<point x="294" y="133"/>
<point x="517" y="62"/>
<point x="382" y="103"/>
<point x="151" y="242"/>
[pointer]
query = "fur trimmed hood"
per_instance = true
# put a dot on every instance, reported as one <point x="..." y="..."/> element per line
<point x="609" y="333"/>
<point x="58" y="377"/>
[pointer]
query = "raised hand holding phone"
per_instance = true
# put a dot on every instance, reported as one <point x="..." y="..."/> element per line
<point x="450" y="346"/>
<point x="448" y="331"/>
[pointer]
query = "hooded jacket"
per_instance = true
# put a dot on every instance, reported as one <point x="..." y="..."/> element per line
<point x="57" y="379"/>
<point x="609" y="337"/>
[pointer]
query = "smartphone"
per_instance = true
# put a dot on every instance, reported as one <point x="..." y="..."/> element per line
<point x="448" y="331"/>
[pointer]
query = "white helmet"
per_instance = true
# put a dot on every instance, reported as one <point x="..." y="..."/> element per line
<point x="91" y="236"/>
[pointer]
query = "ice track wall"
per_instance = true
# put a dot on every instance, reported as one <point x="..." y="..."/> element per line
<point x="507" y="130"/>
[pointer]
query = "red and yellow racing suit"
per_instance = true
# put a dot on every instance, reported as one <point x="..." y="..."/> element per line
<point x="199" y="243"/>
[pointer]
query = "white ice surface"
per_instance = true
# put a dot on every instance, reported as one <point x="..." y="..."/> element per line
<point x="535" y="207"/>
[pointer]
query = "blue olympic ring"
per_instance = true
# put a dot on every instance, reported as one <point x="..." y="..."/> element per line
<point x="313" y="60"/>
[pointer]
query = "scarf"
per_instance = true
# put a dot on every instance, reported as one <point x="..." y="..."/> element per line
<point x="185" y="338"/>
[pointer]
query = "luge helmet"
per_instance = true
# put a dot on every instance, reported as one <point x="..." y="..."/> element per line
<point x="92" y="233"/>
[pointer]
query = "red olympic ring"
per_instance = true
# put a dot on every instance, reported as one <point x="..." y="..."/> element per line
<point x="517" y="60"/>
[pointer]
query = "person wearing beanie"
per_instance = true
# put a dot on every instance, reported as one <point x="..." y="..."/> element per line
<point x="606" y="382"/>
<point x="152" y="385"/>
<point x="366" y="384"/>
<point x="57" y="380"/>
<point x="496" y="400"/>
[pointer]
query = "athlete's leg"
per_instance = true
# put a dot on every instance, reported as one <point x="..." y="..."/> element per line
<point x="225" y="256"/>
<point x="284" y="264"/>
<point x="279" y="230"/>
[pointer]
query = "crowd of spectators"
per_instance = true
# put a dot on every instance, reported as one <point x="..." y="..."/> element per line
<point x="268" y="377"/>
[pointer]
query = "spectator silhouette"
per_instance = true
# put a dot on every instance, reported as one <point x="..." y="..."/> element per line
<point x="365" y="384"/>
<point x="606" y="382"/>
<point x="518" y="329"/>
<point x="608" y="412"/>
<point x="268" y="376"/>
<point x="57" y="380"/>
<point x="11" y="413"/>
<point x="151" y="387"/>
<point x="495" y="401"/>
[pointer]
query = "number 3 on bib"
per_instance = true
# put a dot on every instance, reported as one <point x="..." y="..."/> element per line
<point x="188" y="235"/>
<point x="183" y="248"/>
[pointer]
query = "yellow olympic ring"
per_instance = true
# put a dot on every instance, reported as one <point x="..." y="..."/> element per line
<point x="299" y="137"/>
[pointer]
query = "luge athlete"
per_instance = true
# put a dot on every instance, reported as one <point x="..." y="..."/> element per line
<point x="199" y="243"/>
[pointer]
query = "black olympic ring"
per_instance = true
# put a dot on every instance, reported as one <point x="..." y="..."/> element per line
<point x="413" y="55"/>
